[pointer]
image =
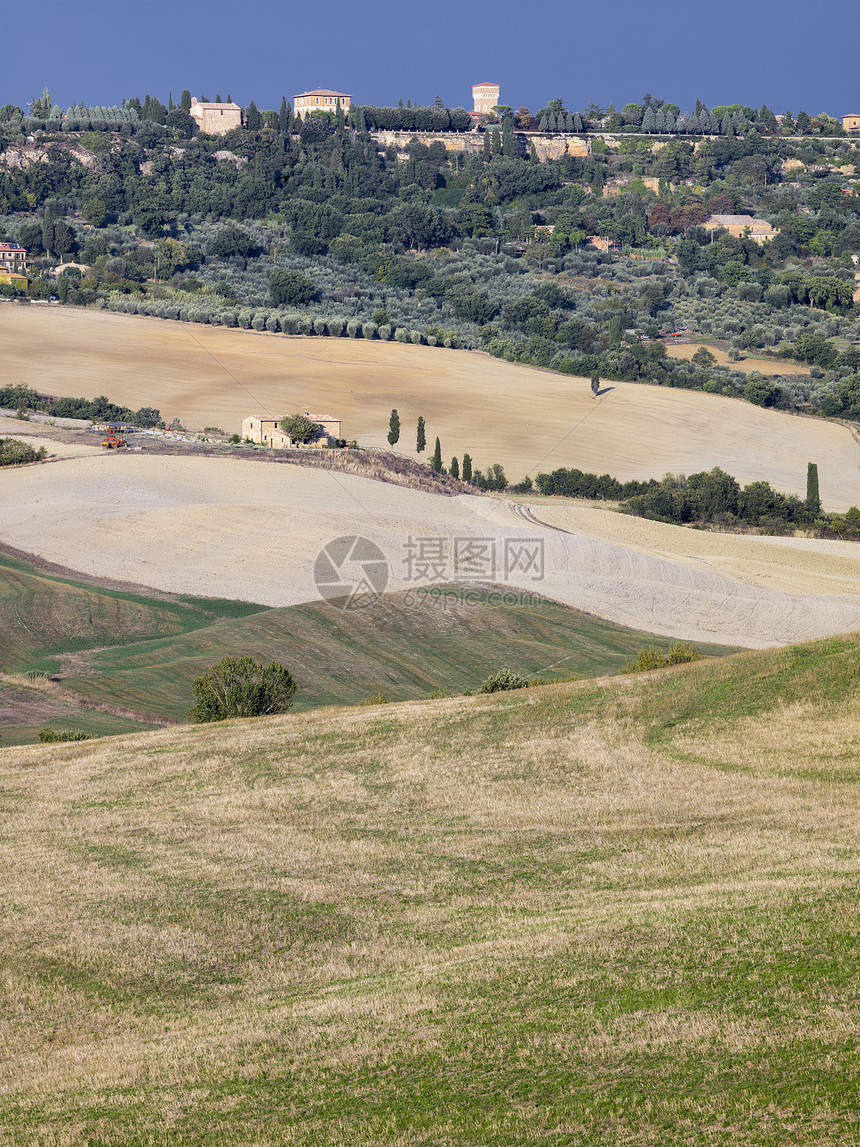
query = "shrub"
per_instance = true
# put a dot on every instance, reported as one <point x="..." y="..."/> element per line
<point x="242" y="688"/>
<point x="650" y="657"/>
<point x="401" y="336"/>
<point x="416" y="337"/>
<point x="369" y="330"/>
<point x="15" y="453"/>
<point x="503" y="680"/>
<point x="353" y="329"/>
<point x="51" y="736"/>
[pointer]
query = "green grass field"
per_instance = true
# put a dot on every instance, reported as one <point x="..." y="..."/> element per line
<point x="142" y="654"/>
<point x="619" y="912"/>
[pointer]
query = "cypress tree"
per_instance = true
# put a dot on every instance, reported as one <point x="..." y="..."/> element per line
<point x="813" y="501"/>
<point x="487" y="144"/>
<point x="283" y="117"/>
<point x="578" y="125"/>
<point x="170" y="104"/>
<point x="467" y="468"/>
<point x="496" y="142"/>
<point x="253" y="119"/>
<point x="509" y="148"/>
<point x="393" y="428"/>
<point x="437" y="457"/>
<point x="421" y="439"/>
<point x="184" y="100"/>
<point x="455" y="467"/>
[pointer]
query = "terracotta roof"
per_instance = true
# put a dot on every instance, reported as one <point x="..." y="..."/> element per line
<point x="488" y="84"/>
<point x="324" y="92"/>
<point x="11" y="247"/>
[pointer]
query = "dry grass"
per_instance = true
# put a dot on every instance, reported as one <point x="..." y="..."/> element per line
<point x="577" y="914"/>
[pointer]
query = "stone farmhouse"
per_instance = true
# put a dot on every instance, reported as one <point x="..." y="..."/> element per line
<point x="760" y="231"/>
<point x="320" y="100"/>
<point x="13" y="257"/>
<point x="851" y="122"/>
<point x="215" y="119"/>
<point x="267" y="432"/>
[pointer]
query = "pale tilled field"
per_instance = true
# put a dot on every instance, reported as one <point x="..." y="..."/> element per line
<point x="228" y="528"/>
<point x="528" y="420"/>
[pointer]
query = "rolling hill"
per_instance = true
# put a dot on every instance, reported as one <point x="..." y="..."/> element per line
<point x="619" y="912"/>
<point x="131" y="658"/>
<point x="524" y="418"/>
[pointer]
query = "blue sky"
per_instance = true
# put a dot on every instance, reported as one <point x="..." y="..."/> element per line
<point x="787" y="54"/>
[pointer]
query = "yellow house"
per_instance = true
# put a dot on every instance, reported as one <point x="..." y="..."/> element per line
<point x="267" y="431"/>
<point x="320" y="100"/>
<point x="215" y="119"/>
<point x="19" y="282"/>
<point x="851" y="122"/>
<point x="760" y="231"/>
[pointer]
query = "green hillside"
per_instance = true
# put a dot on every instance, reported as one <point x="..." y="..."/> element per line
<point x="45" y="615"/>
<point x="140" y="653"/>
<point x="620" y="913"/>
<point x="393" y="648"/>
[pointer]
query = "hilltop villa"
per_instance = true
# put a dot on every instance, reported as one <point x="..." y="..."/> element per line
<point x="215" y="119"/>
<point x="267" y="432"/>
<point x="320" y="100"/>
<point x="851" y="122"/>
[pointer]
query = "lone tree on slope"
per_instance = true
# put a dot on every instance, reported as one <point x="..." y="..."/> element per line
<point x="393" y="428"/>
<point x="421" y="441"/>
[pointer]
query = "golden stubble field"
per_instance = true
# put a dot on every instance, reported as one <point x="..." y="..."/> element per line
<point x="529" y="420"/>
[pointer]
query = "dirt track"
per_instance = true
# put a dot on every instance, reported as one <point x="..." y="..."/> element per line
<point x="527" y="419"/>
<point x="221" y="527"/>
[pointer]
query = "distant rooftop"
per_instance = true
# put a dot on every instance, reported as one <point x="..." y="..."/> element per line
<point x="195" y="103"/>
<point x="487" y="84"/>
<point x="324" y="92"/>
<point x="736" y="220"/>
